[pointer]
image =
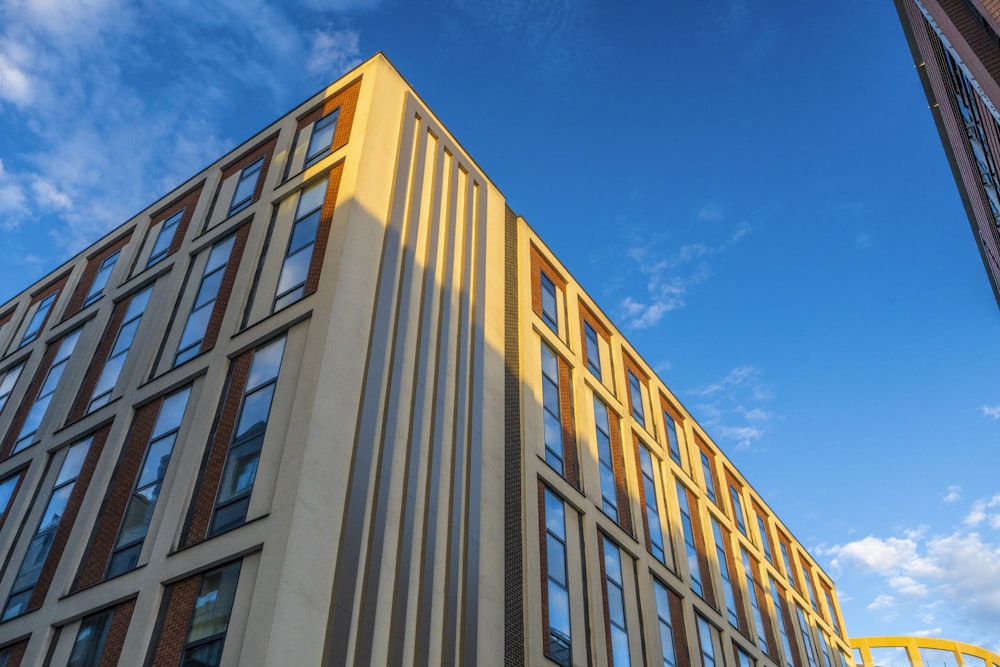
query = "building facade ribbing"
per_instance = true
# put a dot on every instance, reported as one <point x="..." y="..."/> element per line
<point x="332" y="402"/>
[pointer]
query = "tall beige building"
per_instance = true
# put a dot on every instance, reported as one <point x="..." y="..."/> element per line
<point x="330" y="402"/>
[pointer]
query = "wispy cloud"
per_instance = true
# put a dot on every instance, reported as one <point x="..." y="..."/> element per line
<point x="671" y="273"/>
<point x="952" y="494"/>
<point x="991" y="411"/>
<point x="732" y="408"/>
<point x="97" y="125"/>
<point x="956" y="574"/>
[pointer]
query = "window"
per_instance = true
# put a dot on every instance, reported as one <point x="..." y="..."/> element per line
<point x="100" y="280"/>
<point x="204" y="302"/>
<point x="829" y="600"/>
<point x="321" y="138"/>
<point x="734" y="494"/>
<point x="557" y="589"/>
<point x="709" y="474"/>
<point x="765" y="539"/>
<point x="89" y="643"/>
<point x="706" y="642"/>
<point x="41" y="404"/>
<point x="728" y="585"/>
<point x="38" y="319"/>
<point x="783" y="627"/>
<point x="666" y="624"/>
<point x="687" y="527"/>
<point x="212" y="607"/>
<point x="233" y="499"/>
<point x="593" y="349"/>
<point x="550" y="302"/>
<point x="7" y="382"/>
<point x="7" y="488"/>
<point x="551" y="418"/>
<point x="161" y="248"/>
<point x="673" y="445"/>
<point x="752" y="592"/>
<point x="41" y="542"/>
<point x="807" y="577"/>
<point x="824" y="647"/>
<point x="654" y="529"/>
<point x="142" y="502"/>
<point x="295" y="267"/>
<point x="635" y="398"/>
<point x="605" y="456"/>
<point x="806" y="636"/>
<point x="614" y="591"/>
<point x="246" y="186"/>
<point x="743" y="658"/>
<point x="119" y="351"/>
<point x="789" y="572"/>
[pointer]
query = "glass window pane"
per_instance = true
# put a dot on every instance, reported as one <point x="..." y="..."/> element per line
<point x="171" y="412"/>
<point x="304" y="232"/>
<point x="31" y="423"/>
<point x="550" y="367"/>
<point x="550" y="397"/>
<point x="109" y="375"/>
<point x="322" y="135"/>
<point x="559" y="609"/>
<point x="295" y="269"/>
<point x="125" y="337"/>
<point x="214" y="603"/>
<point x="555" y="515"/>
<point x="90" y="641"/>
<point x="205" y="655"/>
<point x="619" y="647"/>
<point x="555" y="553"/>
<point x="157" y="459"/>
<point x="138" y="303"/>
<point x="209" y="288"/>
<point x="266" y="363"/>
<point x="124" y="560"/>
<point x="7" y="487"/>
<point x="256" y="408"/>
<point x="240" y="471"/>
<point x="138" y="515"/>
<point x="311" y="198"/>
<point x="194" y="329"/>
<point x="52" y="379"/>
<point x="73" y="462"/>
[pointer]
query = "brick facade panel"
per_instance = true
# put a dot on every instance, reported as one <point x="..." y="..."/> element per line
<point x="175" y="622"/>
<point x="323" y="231"/>
<point x="116" y="634"/>
<point x="102" y="542"/>
<point x="571" y="468"/>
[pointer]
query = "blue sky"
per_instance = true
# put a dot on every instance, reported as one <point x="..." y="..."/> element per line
<point x="755" y="191"/>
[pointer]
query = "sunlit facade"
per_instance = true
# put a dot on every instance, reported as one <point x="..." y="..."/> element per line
<point x="331" y="402"/>
<point x="919" y="652"/>
<point x="956" y="48"/>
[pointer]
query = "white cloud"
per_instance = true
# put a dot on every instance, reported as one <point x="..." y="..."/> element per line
<point x="957" y="575"/>
<point x="952" y="494"/>
<point x="15" y="85"/>
<point x="883" y="601"/>
<point x="733" y="411"/>
<point x="931" y="632"/>
<point x="333" y="53"/>
<point x="991" y="411"/>
<point x="711" y="212"/>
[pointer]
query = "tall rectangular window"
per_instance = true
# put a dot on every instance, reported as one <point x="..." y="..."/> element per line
<point x="551" y="417"/>
<point x="806" y="631"/>
<point x="321" y="139"/>
<point x="41" y="541"/>
<point x="654" y="529"/>
<point x="635" y="398"/>
<point x="550" y="302"/>
<point x="614" y="591"/>
<point x="807" y="577"/>
<point x="89" y="643"/>
<point x="709" y="474"/>
<point x="298" y="256"/>
<point x="734" y="495"/>
<point x="38" y="319"/>
<point x="605" y="457"/>
<point x="142" y="501"/>
<point x="765" y="539"/>
<point x="743" y="658"/>
<point x="706" y="642"/>
<point x="783" y="625"/>
<point x="240" y="471"/>
<point x="830" y="608"/>
<point x="593" y="349"/>
<point x="246" y="186"/>
<point x="789" y="571"/>
<point x="673" y="444"/>
<point x="161" y="248"/>
<point x="119" y="351"/>
<point x="687" y="528"/>
<point x="666" y="624"/>
<point x="210" y="621"/>
<point x="101" y="279"/>
<point x="204" y="302"/>
<point x="8" y="487"/>
<point x="824" y="647"/>
<point x="7" y="381"/>
<point x="48" y="388"/>
<point x="753" y="593"/>
<point x="727" y="580"/>
<point x="557" y="581"/>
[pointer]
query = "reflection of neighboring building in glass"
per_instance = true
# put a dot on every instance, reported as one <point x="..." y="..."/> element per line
<point x="919" y="652"/>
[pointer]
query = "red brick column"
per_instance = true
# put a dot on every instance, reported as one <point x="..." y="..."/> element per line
<point x="116" y="634"/>
<point x="323" y="231"/>
<point x="175" y="622"/>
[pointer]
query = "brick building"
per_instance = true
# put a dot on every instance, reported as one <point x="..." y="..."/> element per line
<point x="956" y="48"/>
<point x="332" y="402"/>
